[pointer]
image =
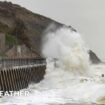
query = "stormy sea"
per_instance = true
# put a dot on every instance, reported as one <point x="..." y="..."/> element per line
<point x="70" y="79"/>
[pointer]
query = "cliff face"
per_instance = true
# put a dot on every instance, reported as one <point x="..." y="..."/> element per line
<point x="24" y="28"/>
<point x="22" y="25"/>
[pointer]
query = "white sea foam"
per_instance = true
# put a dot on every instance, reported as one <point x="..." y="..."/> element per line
<point x="68" y="47"/>
<point x="70" y="78"/>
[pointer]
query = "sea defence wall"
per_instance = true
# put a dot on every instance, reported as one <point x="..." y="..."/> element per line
<point x="16" y="74"/>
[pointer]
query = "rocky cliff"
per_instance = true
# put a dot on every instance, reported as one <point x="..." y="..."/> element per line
<point x="24" y="28"/>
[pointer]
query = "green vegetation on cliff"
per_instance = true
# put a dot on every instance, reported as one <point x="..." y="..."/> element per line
<point x="11" y="40"/>
<point x="3" y="27"/>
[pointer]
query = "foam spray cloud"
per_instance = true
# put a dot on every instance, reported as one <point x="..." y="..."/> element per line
<point x="68" y="47"/>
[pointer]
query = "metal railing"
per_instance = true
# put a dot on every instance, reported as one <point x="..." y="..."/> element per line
<point x="16" y="74"/>
<point x="5" y="63"/>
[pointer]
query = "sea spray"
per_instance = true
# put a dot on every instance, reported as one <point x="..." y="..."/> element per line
<point x="69" y="76"/>
<point x="68" y="48"/>
<point x="72" y="62"/>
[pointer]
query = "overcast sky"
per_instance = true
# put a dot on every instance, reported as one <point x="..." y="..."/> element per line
<point x="86" y="16"/>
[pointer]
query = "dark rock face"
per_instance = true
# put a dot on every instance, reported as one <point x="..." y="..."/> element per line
<point x="26" y="26"/>
<point x="93" y="57"/>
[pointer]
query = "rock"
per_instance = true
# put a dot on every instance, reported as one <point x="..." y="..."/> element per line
<point x="93" y="57"/>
